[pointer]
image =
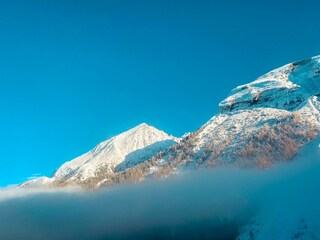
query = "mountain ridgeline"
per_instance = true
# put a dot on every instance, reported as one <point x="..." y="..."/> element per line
<point x="259" y="124"/>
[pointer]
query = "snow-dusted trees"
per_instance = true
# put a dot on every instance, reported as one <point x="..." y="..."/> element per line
<point x="278" y="142"/>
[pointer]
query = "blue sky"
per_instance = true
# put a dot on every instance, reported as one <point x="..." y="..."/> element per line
<point x="74" y="73"/>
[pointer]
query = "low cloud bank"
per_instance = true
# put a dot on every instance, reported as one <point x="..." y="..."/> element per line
<point x="289" y="201"/>
<point x="198" y="204"/>
<point x="204" y="204"/>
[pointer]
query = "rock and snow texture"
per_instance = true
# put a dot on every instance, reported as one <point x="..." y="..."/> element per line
<point x="260" y="123"/>
<point x="286" y="88"/>
<point x="113" y="155"/>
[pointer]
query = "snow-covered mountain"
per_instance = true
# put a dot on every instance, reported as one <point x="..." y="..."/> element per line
<point x="113" y="155"/>
<point x="259" y="124"/>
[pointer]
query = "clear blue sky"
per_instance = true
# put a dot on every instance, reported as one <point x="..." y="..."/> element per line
<point x="74" y="73"/>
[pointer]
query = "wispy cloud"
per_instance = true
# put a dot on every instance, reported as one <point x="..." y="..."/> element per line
<point x="33" y="176"/>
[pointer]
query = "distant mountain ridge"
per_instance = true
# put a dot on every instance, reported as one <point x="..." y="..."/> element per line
<point x="259" y="124"/>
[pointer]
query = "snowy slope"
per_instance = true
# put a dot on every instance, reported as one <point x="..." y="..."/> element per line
<point x="271" y="98"/>
<point x="287" y="88"/>
<point x="259" y="124"/>
<point x="116" y="154"/>
<point x="116" y="151"/>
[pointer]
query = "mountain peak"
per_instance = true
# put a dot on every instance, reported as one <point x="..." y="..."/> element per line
<point x="143" y="125"/>
<point x="126" y="149"/>
<point x="139" y="126"/>
<point x="287" y="88"/>
<point x="141" y="132"/>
